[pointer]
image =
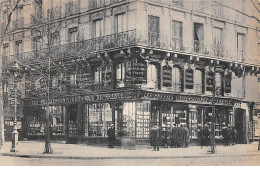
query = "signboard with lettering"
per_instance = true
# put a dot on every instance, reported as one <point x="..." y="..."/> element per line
<point x="189" y="79"/>
<point x="139" y="72"/>
<point x="107" y="75"/>
<point x="209" y="81"/>
<point x="228" y="83"/>
<point x="167" y="76"/>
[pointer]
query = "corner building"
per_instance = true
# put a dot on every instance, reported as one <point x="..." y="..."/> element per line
<point x="133" y="63"/>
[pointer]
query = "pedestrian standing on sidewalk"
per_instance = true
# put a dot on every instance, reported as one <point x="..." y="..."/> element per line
<point x="186" y="136"/>
<point x="206" y="135"/>
<point x="174" y="136"/>
<point x="200" y="139"/>
<point x="234" y="135"/>
<point x="111" y="136"/>
<point x="224" y="134"/>
<point x="165" y="138"/>
<point x="154" y="137"/>
<point x="229" y="133"/>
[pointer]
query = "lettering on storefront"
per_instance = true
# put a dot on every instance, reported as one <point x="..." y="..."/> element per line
<point x="167" y="76"/>
<point x="87" y="98"/>
<point x="186" y="98"/>
<point x="189" y="79"/>
<point x="139" y="72"/>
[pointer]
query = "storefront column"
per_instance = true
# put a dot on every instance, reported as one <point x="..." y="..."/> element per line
<point x="231" y="117"/>
<point x="193" y="121"/>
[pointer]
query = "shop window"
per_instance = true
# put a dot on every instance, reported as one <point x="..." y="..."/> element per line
<point x="198" y="37"/>
<point x="120" y="74"/>
<point x="100" y="118"/>
<point x="152" y="76"/>
<point x="228" y="78"/>
<point x="107" y="75"/>
<point x="142" y="119"/>
<point x="126" y="119"/>
<point x="198" y="81"/>
<point x="176" y="79"/>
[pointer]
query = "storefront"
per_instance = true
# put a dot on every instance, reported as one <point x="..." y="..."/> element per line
<point x="133" y="112"/>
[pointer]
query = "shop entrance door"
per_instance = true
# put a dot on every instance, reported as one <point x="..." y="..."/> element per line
<point x="71" y="126"/>
<point x="240" y="125"/>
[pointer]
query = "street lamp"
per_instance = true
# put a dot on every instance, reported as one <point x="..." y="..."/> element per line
<point x="15" y="132"/>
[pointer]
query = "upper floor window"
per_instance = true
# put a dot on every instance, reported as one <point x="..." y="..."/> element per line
<point x="218" y="41"/>
<point x="18" y="47"/>
<point x="73" y="34"/>
<point x="241" y="46"/>
<point x="218" y="85"/>
<point x="98" y="74"/>
<point x="154" y="30"/>
<point x="5" y="52"/>
<point x="120" y="72"/>
<point x="176" y="79"/>
<point x="177" y="34"/>
<point x="37" y="43"/>
<point x="55" y="38"/>
<point x="38" y="6"/>
<point x="97" y="28"/>
<point x="198" y="37"/>
<point x="120" y="23"/>
<point x="198" y="81"/>
<point x="152" y="76"/>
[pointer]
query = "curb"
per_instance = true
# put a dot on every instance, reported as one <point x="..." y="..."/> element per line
<point x="119" y="157"/>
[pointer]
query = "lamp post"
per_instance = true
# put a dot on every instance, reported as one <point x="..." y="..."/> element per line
<point x="15" y="132"/>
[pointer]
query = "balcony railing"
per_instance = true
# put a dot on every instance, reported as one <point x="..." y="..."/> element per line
<point x="72" y="8"/>
<point x="37" y="18"/>
<point x="127" y="39"/>
<point x="18" y="23"/>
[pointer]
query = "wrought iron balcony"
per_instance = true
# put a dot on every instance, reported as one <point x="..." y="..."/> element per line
<point x="18" y="23"/>
<point x="72" y="8"/>
<point x="37" y="18"/>
<point x="127" y="39"/>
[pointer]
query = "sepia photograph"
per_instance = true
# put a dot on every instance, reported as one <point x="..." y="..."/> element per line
<point x="129" y="83"/>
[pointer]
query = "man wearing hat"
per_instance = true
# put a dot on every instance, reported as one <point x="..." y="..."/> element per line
<point x="111" y="136"/>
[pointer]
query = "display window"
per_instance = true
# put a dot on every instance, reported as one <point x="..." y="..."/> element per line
<point x="142" y="119"/>
<point x="99" y="119"/>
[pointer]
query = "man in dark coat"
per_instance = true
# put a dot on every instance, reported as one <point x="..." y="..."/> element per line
<point x="111" y="136"/>
<point x="154" y="137"/>
<point x="186" y="136"/>
<point x="174" y="136"/>
<point x="234" y="135"/>
<point x="200" y="139"/>
<point x="206" y="135"/>
<point x="180" y="136"/>
<point x="165" y="138"/>
<point x="229" y="132"/>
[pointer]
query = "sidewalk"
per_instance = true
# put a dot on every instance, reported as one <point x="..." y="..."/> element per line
<point x="34" y="149"/>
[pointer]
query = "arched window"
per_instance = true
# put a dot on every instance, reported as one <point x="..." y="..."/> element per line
<point x="198" y="81"/>
<point x="176" y="79"/>
<point x="152" y="75"/>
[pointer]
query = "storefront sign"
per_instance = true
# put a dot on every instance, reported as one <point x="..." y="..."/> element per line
<point x="228" y="83"/>
<point x="88" y="98"/>
<point x="186" y="98"/>
<point x="209" y="81"/>
<point x="139" y="72"/>
<point x="167" y="76"/>
<point x="189" y="79"/>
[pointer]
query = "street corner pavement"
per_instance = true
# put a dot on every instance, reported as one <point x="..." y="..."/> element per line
<point x="34" y="149"/>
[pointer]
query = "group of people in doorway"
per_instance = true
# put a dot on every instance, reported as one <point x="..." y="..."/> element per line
<point x="229" y="135"/>
<point x="178" y="136"/>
